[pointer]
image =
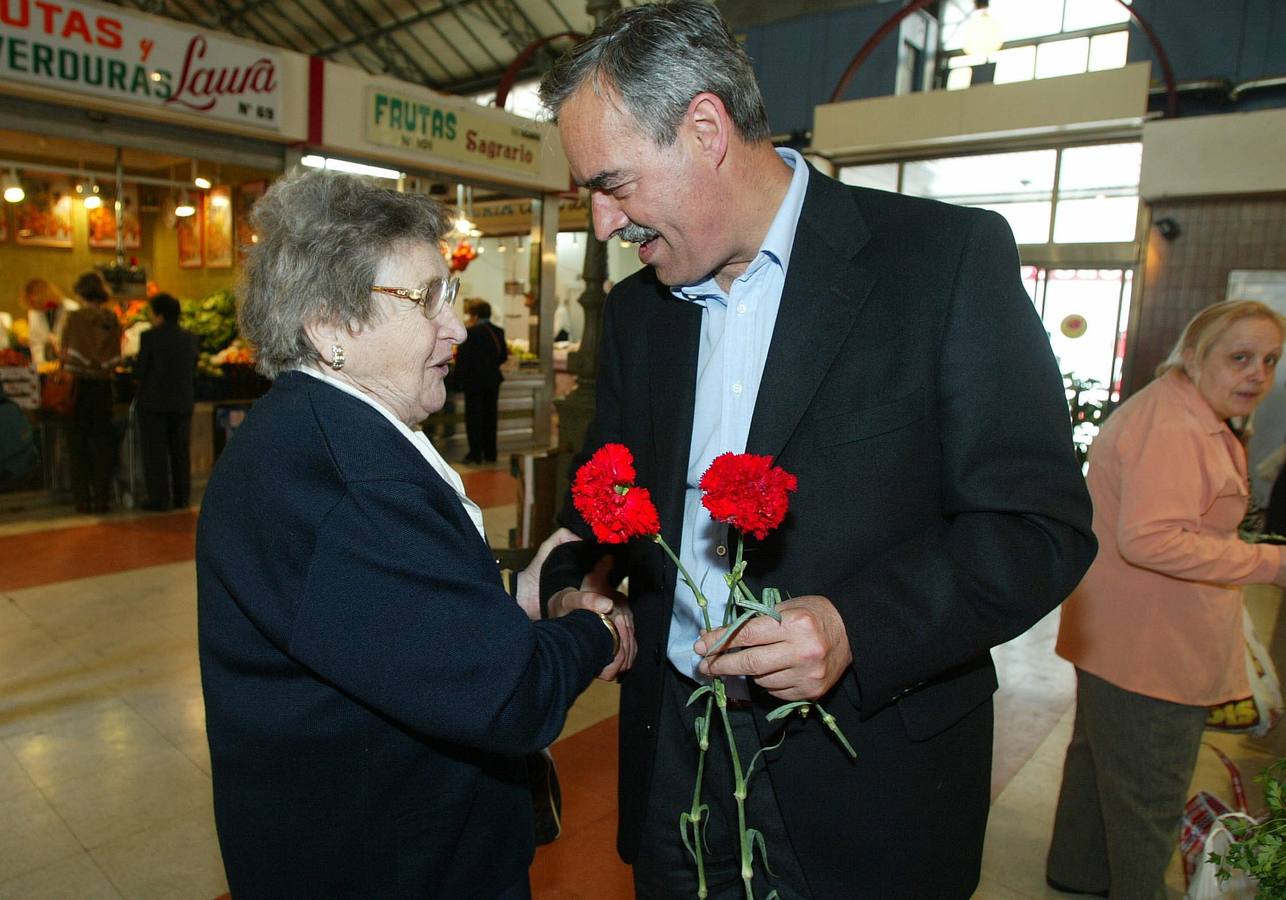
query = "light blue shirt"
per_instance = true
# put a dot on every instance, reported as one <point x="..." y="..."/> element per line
<point x="736" y="331"/>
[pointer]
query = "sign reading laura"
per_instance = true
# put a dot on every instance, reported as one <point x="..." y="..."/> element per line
<point x="415" y="123"/>
<point x="75" y="47"/>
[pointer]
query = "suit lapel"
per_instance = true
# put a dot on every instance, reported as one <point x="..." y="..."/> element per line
<point x="824" y="291"/>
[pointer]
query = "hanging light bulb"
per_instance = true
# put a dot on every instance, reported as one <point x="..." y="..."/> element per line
<point x="981" y="33"/>
<point x="93" y="199"/>
<point x="184" y="209"/>
<point x="462" y="224"/>
<point x="200" y="181"/>
<point x="13" y="191"/>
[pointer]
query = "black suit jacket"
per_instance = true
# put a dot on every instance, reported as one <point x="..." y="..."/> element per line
<point x="370" y="687"/>
<point x="478" y="359"/>
<point x="911" y="388"/>
<point x="165" y="369"/>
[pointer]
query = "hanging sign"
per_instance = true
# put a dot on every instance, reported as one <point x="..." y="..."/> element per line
<point x="418" y="122"/>
<point x="109" y="53"/>
<point x="1073" y="326"/>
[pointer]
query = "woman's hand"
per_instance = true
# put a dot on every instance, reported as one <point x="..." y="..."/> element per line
<point x="528" y="592"/>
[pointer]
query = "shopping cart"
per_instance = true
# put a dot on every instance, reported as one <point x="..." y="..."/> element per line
<point x="129" y="460"/>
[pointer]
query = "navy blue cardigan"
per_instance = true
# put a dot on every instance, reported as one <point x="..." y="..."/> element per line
<point x="370" y="687"/>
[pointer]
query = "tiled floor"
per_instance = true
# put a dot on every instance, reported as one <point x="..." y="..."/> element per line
<point x="104" y="772"/>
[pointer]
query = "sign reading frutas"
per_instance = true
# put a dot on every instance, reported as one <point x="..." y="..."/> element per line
<point x="417" y="122"/>
<point x="83" y="49"/>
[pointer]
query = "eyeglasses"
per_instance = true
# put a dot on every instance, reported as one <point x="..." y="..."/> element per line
<point x="432" y="299"/>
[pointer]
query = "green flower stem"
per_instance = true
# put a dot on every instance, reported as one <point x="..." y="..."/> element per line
<point x="740" y="791"/>
<point x="696" y="815"/>
<point x="687" y="579"/>
<point x="829" y="721"/>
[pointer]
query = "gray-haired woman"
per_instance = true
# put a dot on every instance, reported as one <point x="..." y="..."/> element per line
<point x="370" y="685"/>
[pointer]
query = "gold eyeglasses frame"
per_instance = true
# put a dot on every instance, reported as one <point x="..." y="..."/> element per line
<point x="421" y="297"/>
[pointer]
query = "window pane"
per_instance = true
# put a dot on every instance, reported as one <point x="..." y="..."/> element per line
<point x="1033" y="277"/>
<point x="954" y="13"/>
<point x="1028" y="221"/>
<point x="1108" y="51"/>
<point x="959" y="79"/>
<point x="1097" y="220"/>
<point x="1017" y="64"/>
<point x="1111" y="166"/>
<point x="883" y="176"/>
<point x="1093" y="13"/>
<point x="1057" y="58"/>
<point x="989" y="178"/>
<point x="1028" y="18"/>
<point x="1086" y="348"/>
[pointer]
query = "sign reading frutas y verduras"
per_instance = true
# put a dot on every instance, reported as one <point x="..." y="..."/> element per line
<point x="109" y="53"/>
<point x="415" y="123"/>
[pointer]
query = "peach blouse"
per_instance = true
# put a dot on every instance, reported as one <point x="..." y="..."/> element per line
<point x="1159" y="612"/>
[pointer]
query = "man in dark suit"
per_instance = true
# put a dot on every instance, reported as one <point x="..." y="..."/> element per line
<point x="883" y="350"/>
<point x="477" y="371"/>
<point x="166" y="365"/>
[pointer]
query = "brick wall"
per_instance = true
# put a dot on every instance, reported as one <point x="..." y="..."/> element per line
<point x="1187" y="274"/>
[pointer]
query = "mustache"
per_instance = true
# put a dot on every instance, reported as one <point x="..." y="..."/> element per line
<point x="636" y="234"/>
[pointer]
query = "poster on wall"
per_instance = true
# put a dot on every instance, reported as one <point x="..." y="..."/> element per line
<point x="102" y="222"/>
<point x="218" y="227"/>
<point x="248" y="194"/>
<point x="188" y="229"/>
<point x="43" y="218"/>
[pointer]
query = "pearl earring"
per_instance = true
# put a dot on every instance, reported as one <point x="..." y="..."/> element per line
<point x="337" y="357"/>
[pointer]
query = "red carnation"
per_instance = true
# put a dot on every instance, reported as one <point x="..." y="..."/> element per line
<point x="747" y="492"/>
<point x="605" y="495"/>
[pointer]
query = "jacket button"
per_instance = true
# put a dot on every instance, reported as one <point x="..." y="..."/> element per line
<point x="721" y="550"/>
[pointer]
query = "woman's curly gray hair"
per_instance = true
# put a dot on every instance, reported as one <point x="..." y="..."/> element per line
<point x="322" y="236"/>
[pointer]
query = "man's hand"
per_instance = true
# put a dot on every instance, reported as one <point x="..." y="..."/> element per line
<point x="615" y="606"/>
<point x="799" y="658"/>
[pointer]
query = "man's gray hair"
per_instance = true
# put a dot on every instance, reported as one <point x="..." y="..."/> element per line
<point x="322" y="236"/>
<point x="657" y="58"/>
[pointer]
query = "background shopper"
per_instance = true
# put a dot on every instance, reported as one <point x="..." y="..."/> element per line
<point x="166" y="364"/>
<point x="91" y="348"/>
<point x="1155" y="628"/>
<point x="477" y="371"/>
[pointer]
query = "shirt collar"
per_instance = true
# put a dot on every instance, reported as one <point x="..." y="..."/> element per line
<point x="779" y="240"/>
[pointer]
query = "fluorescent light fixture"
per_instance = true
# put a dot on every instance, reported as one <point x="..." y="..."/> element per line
<point x="184" y="207"/>
<point x="344" y="165"/>
<point x="13" y="191"/>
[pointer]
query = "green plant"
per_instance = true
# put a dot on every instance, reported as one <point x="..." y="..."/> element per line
<point x="1086" y="401"/>
<point x="1259" y="848"/>
<point x="212" y="319"/>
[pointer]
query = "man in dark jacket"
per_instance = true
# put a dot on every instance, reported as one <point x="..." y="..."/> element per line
<point x="477" y="370"/>
<point x="880" y="348"/>
<point x="166" y="363"/>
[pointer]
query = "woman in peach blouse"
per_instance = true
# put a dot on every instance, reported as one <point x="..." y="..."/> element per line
<point x="1154" y="630"/>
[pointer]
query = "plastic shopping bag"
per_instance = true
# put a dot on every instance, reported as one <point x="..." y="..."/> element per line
<point x="1259" y="712"/>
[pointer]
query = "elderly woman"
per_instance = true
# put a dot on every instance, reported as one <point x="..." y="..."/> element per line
<point x="1155" y="628"/>
<point x="91" y="349"/>
<point x="371" y="687"/>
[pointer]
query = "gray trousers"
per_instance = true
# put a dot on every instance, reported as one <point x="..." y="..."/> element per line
<point x="1125" y="782"/>
<point x="664" y="869"/>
